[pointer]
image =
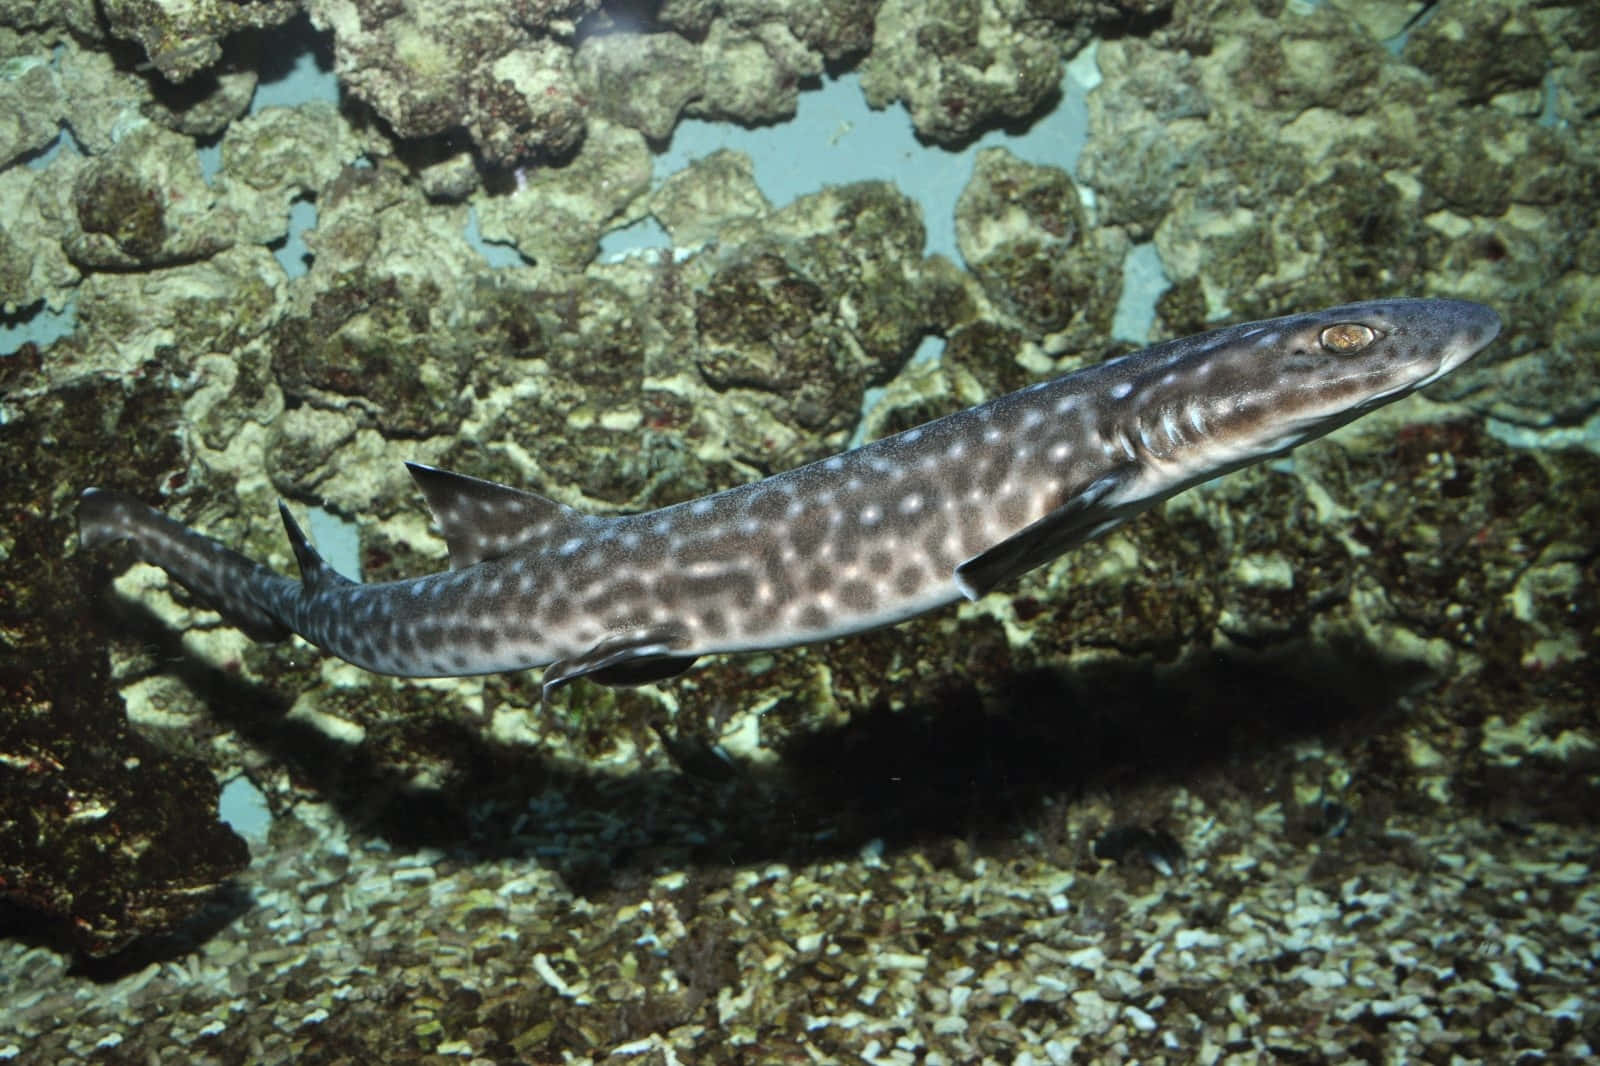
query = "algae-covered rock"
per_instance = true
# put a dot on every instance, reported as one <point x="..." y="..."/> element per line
<point x="215" y="305"/>
<point x="641" y="81"/>
<point x="144" y="202"/>
<point x="464" y="64"/>
<point x="708" y="194"/>
<point x="822" y="303"/>
<point x="279" y="154"/>
<point x="31" y="102"/>
<point x="182" y="38"/>
<point x="1481" y="50"/>
<point x="35" y="218"/>
<point x="960" y="66"/>
<point x="836" y="29"/>
<point x="556" y="215"/>
<point x="1021" y="228"/>
<point x="1148" y="137"/>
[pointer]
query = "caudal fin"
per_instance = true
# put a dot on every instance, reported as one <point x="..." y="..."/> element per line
<point x="241" y="590"/>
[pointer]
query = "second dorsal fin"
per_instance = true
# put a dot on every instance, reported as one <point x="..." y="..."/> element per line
<point x="485" y="519"/>
<point x="315" y="573"/>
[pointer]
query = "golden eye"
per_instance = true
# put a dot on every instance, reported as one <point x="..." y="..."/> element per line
<point x="1348" y="337"/>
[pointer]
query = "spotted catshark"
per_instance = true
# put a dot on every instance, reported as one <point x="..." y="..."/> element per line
<point x="868" y="538"/>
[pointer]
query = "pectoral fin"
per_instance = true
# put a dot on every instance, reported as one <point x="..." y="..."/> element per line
<point x="636" y="657"/>
<point x="1085" y="516"/>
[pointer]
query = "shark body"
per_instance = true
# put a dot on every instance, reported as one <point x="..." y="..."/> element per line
<point x="868" y="538"/>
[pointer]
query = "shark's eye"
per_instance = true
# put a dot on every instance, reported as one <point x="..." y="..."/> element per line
<point x="1347" y="337"/>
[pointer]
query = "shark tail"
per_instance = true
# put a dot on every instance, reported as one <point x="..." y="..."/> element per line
<point x="246" y="593"/>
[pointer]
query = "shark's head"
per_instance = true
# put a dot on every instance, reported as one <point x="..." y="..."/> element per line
<point x="1364" y="355"/>
<point x="1237" y="394"/>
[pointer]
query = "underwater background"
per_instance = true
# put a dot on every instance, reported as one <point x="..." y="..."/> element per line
<point x="1304" y="766"/>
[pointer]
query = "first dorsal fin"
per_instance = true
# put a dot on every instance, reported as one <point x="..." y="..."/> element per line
<point x="315" y="573"/>
<point x="484" y="519"/>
